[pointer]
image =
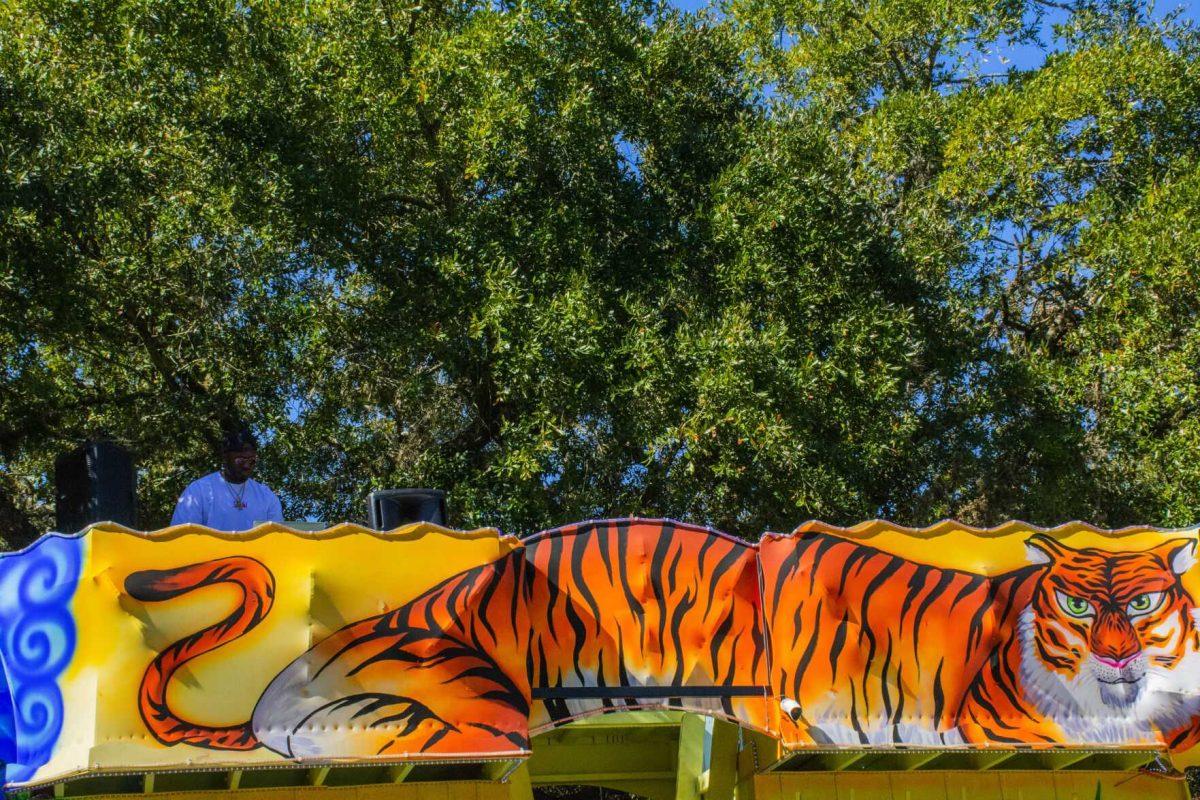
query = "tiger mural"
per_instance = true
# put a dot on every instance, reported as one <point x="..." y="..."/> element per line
<point x="1080" y="647"/>
<point x="590" y="617"/>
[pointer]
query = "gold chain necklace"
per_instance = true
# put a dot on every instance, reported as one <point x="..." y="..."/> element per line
<point x="238" y="502"/>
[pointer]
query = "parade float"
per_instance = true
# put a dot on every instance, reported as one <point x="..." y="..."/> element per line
<point x="653" y="657"/>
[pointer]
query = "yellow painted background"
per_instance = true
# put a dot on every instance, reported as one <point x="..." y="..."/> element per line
<point x="990" y="551"/>
<point x="323" y="581"/>
<point x="328" y="579"/>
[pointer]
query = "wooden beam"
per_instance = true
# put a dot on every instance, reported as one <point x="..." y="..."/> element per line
<point x="723" y="761"/>
<point x="1007" y="755"/>
<point x="60" y="790"/>
<point x="689" y="759"/>
<point x="148" y="783"/>
<point x="317" y="776"/>
<point x="234" y="779"/>
<point x="500" y="771"/>
<point x="399" y="772"/>
<point x="796" y="762"/>
<point x="519" y="785"/>
<point x="838" y="761"/>
<point x="1113" y="760"/>
<point x="1065" y="760"/>
<point x="920" y="759"/>
<point x="760" y="752"/>
<point x="601" y="777"/>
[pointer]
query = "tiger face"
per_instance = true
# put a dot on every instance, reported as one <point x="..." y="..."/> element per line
<point x="1112" y="635"/>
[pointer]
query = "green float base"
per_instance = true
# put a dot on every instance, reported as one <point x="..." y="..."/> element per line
<point x="681" y="756"/>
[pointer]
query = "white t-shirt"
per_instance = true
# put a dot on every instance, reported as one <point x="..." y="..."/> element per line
<point x="211" y="501"/>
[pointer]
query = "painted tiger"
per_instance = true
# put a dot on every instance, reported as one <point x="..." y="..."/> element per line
<point x="1080" y="647"/>
<point x="593" y="616"/>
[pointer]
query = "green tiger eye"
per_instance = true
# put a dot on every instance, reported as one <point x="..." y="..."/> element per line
<point x="1145" y="603"/>
<point x="1075" y="606"/>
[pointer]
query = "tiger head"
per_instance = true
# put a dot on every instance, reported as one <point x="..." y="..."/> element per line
<point x="1111" y="633"/>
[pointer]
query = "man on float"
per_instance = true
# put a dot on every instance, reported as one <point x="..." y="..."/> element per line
<point x="229" y="499"/>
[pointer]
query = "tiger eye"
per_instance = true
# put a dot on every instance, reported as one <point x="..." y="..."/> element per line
<point x="1075" y="606"/>
<point x="1145" y="603"/>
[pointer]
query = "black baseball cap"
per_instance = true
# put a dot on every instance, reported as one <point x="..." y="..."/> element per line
<point x="238" y="440"/>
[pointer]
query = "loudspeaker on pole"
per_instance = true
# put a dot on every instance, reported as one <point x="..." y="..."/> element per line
<point x="95" y="482"/>
<point x="391" y="508"/>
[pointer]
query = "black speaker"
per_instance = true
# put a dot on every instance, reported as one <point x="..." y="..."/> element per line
<point x="391" y="508"/>
<point x="94" y="483"/>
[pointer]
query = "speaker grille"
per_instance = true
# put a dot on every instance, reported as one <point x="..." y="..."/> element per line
<point x="95" y="482"/>
<point x="391" y="508"/>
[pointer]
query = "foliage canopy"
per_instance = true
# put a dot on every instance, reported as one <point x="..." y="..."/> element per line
<point x="781" y="259"/>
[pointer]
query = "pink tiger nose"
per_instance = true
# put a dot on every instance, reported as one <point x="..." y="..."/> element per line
<point x="1116" y="663"/>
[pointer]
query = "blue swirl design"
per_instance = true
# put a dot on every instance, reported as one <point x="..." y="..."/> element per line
<point x="37" y="640"/>
<point x="8" y="722"/>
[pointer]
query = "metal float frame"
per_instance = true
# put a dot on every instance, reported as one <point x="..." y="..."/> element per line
<point x="674" y="755"/>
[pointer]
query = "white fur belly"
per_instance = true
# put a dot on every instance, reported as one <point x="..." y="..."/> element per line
<point x="885" y="734"/>
<point x="1110" y="731"/>
<point x="1165" y="699"/>
<point x="282" y="718"/>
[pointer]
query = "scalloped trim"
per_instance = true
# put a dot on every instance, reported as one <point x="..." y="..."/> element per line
<point x="573" y="527"/>
<point x="410" y="532"/>
<point x="876" y="526"/>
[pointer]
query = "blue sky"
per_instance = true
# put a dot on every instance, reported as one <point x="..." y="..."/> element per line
<point x="1022" y="57"/>
<point x="1190" y="5"/>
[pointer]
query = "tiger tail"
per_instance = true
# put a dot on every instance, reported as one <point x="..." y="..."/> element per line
<point x="258" y="594"/>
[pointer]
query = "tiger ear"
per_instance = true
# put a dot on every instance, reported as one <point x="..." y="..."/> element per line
<point x="1041" y="549"/>
<point x="1181" y="555"/>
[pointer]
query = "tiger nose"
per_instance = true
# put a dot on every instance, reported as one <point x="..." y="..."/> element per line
<point x="1114" y="641"/>
<point x="1116" y="663"/>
